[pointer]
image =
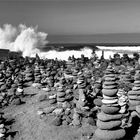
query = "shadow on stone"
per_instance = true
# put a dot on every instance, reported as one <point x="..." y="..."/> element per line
<point x="132" y="131"/>
<point x="11" y="135"/>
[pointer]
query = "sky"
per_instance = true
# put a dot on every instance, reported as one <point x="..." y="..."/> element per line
<point x="74" y="17"/>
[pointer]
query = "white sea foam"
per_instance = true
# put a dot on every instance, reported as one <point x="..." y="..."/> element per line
<point x="63" y="55"/>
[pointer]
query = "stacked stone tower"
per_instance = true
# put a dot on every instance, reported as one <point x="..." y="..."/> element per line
<point x="29" y="77"/>
<point x="134" y="94"/>
<point x="109" y="119"/>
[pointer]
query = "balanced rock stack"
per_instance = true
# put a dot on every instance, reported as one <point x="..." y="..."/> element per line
<point x="88" y="77"/>
<point x="76" y="119"/>
<point x="29" y="77"/>
<point x="127" y="78"/>
<point x="81" y="104"/>
<point x="68" y="73"/>
<point x="46" y="88"/>
<point x="2" y="81"/>
<point x="2" y="127"/>
<point x="76" y="70"/>
<point x="37" y="78"/>
<point x="62" y="109"/>
<point x="50" y="82"/>
<point x="52" y="99"/>
<point x="20" y="89"/>
<point x="47" y="79"/>
<point x="109" y="119"/>
<point x="82" y="107"/>
<point x="134" y="94"/>
<point x="59" y="83"/>
<point x="9" y="82"/>
<point x="75" y="74"/>
<point x="81" y="82"/>
<point x="9" y="72"/>
<point x="69" y="95"/>
<point x="61" y="95"/>
<point x="37" y="75"/>
<point x="122" y="100"/>
<point x="48" y="71"/>
<point x="12" y="63"/>
<point x="42" y="69"/>
<point x="69" y="64"/>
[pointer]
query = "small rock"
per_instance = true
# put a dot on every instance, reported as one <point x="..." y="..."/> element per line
<point x="68" y="119"/>
<point x="52" y="101"/>
<point x="88" y="135"/>
<point x="67" y="111"/>
<point x="42" y="97"/>
<point x="39" y="112"/>
<point x="16" y="101"/>
<point x="57" y="121"/>
<point x="48" y="110"/>
<point x="65" y="123"/>
<point x="58" y="111"/>
<point x="91" y="121"/>
<point x="52" y="96"/>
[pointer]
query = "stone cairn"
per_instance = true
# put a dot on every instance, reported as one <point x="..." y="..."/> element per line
<point x="134" y="94"/>
<point x="52" y="99"/>
<point x="37" y="78"/>
<point x="29" y="77"/>
<point x="126" y="80"/>
<point x="82" y="109"/>
<point x="2" y="89"/>
<point x="2" y="127"/>
<point x="9" y="72"/>
<point x="60" y="107"/>
<point x="42" y="69"/>
<point x="2" y="80"/>
<point x="134" y="99"/>
<point x="37" y="75"/>
<point x="67" y="107"/>
<point x="123" y="103"/>
<point x="109" y="119"/>
<point x="43" y="78"/>
<point x="61" y="95"/>
<point x="122" y="100"/>
<point x="20" y="84"/>
<point x="50" y="83"/>
<point x="46" y="79"/>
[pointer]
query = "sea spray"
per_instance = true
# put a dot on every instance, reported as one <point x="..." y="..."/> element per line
<point x="22" y="38"/>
